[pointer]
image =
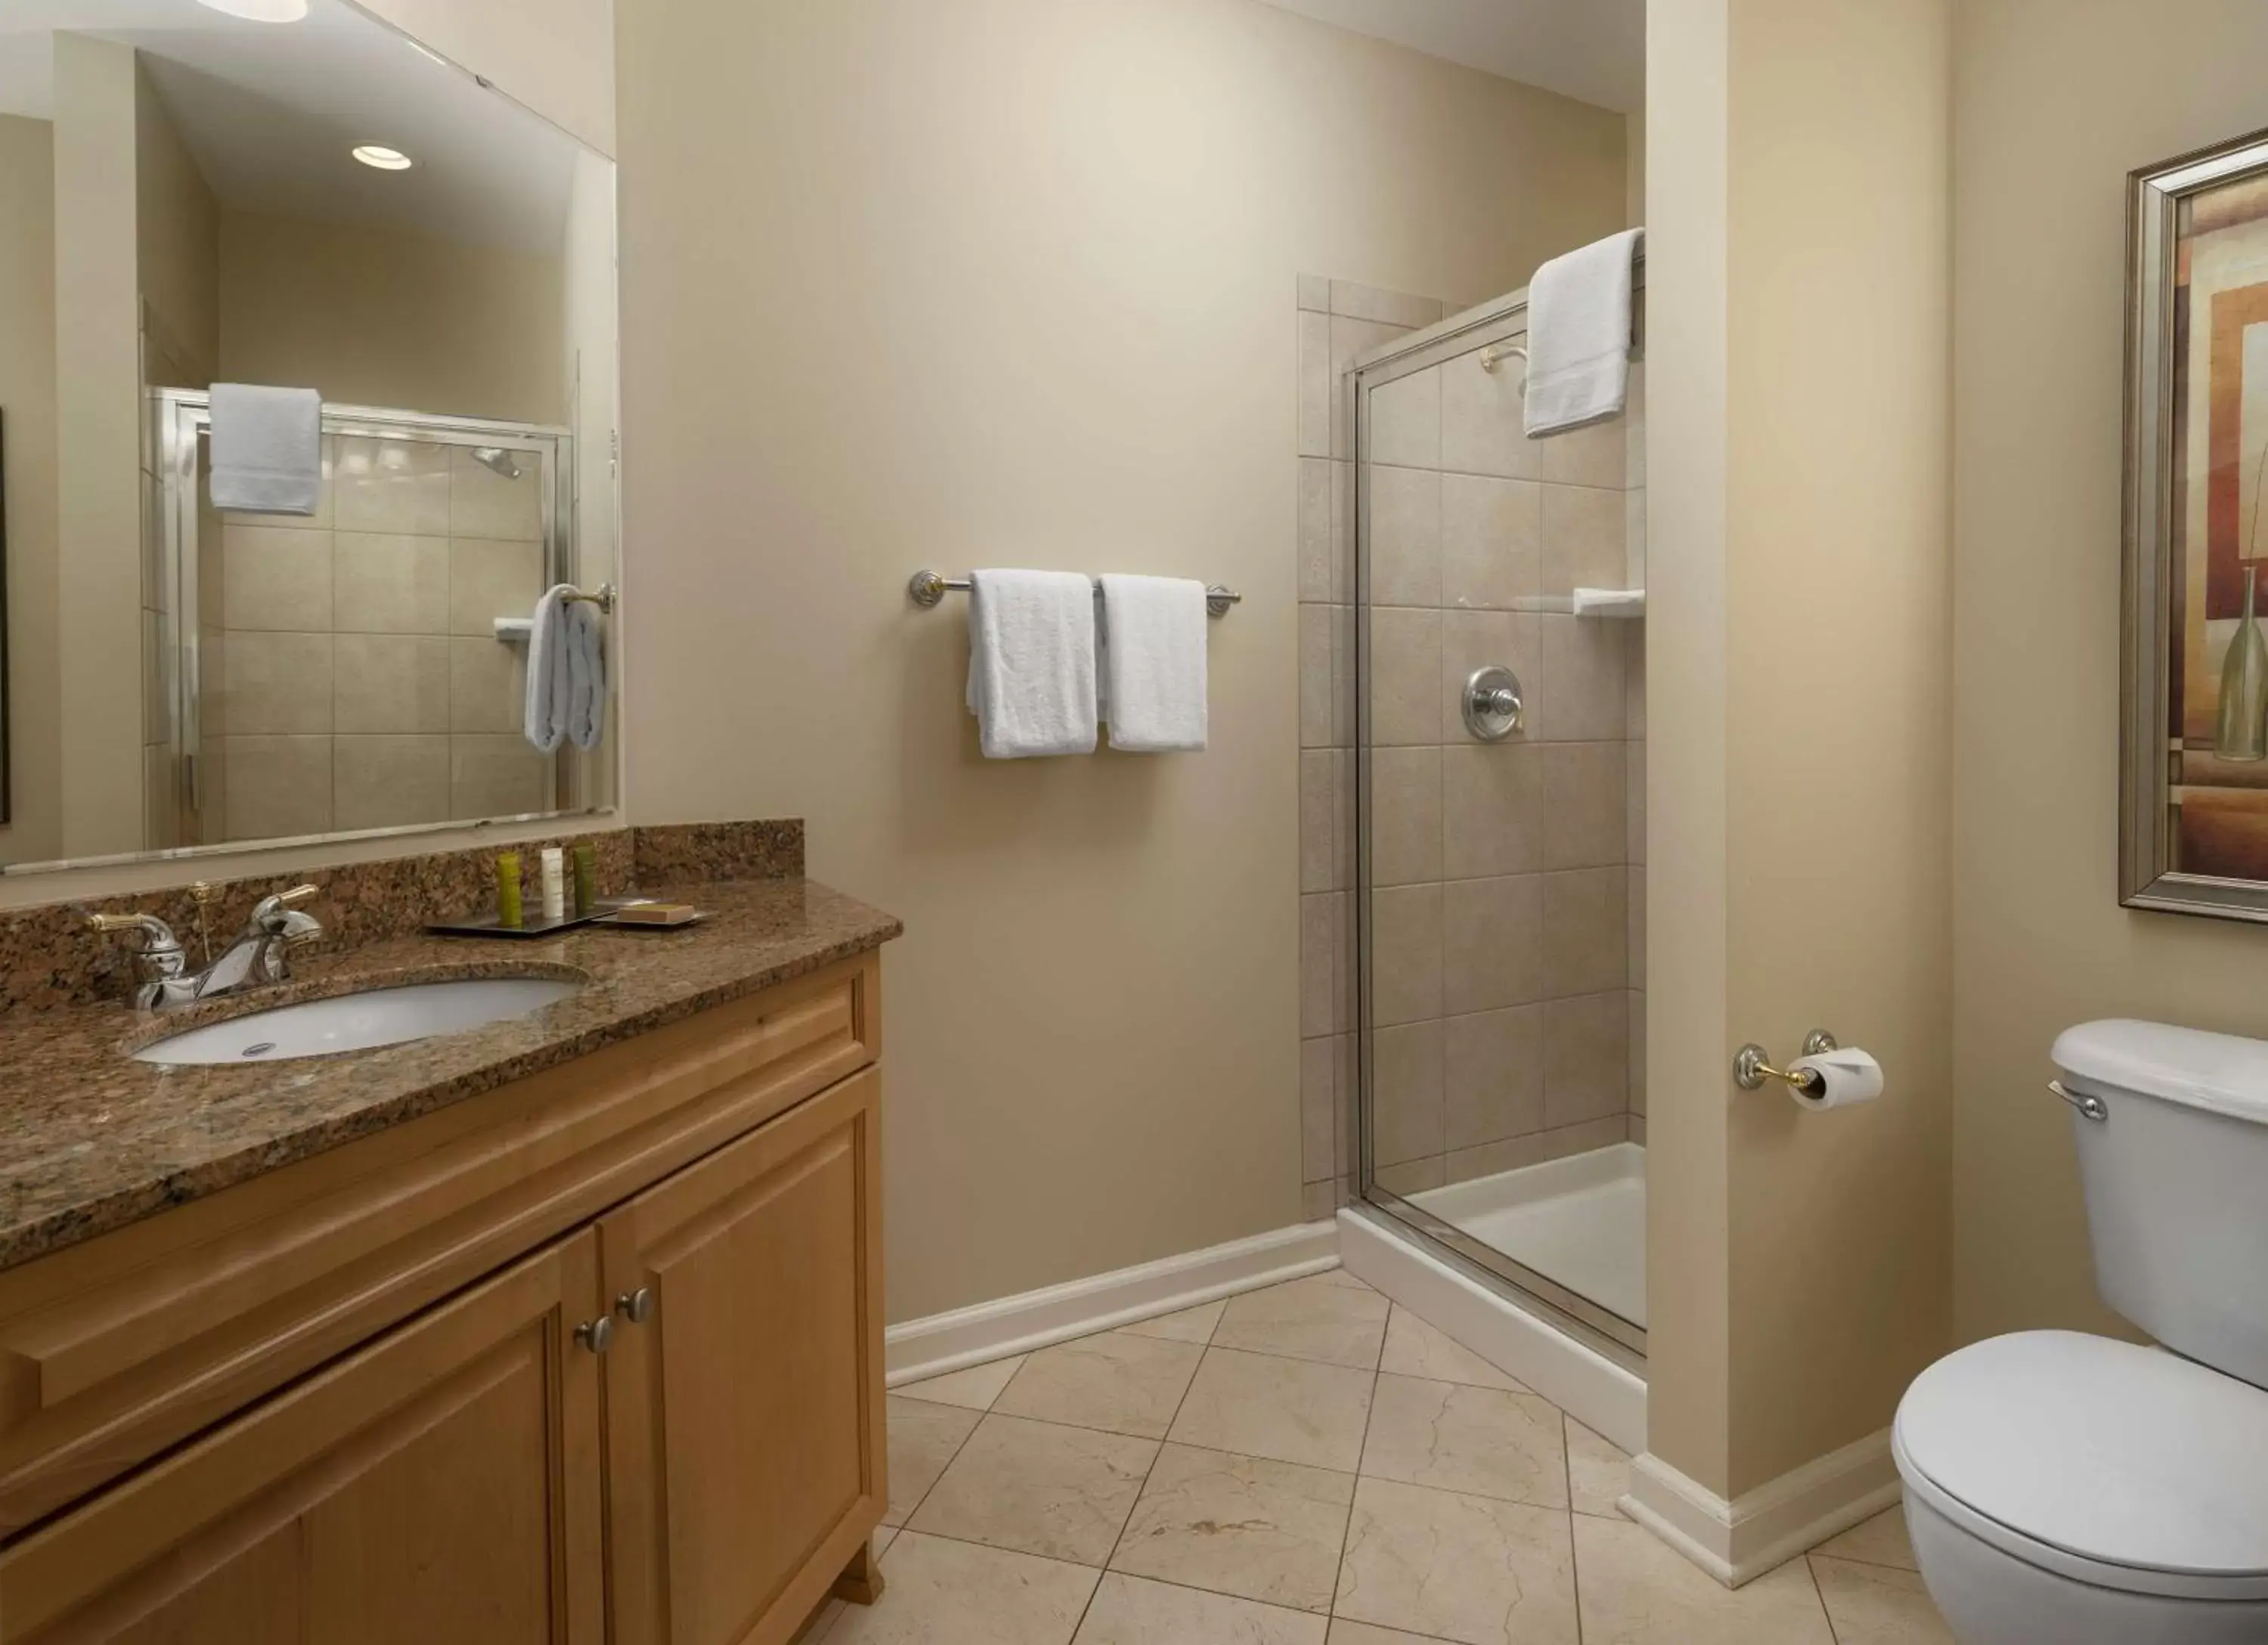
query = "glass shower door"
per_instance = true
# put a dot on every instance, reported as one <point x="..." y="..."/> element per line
<point x="1499" y="773"/>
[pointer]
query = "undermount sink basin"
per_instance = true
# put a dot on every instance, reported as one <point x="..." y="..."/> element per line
<point x="378" y="1016"/>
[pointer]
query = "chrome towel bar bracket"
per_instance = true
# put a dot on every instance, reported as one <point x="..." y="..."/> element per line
<point x="928" y="589"/>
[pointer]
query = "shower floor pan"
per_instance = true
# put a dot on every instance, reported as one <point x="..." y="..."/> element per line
<point x="1579" y="1222"/>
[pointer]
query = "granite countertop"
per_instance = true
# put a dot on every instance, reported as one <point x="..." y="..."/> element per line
<point x="91" y="1139"/>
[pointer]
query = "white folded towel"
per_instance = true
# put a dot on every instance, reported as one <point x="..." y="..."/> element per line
<point x="267" y="449"/>
<point x="586" y="674"/>
<point x="1031" y="663"/>
<point x="550" y="683"/>
<point x="1578" y="335"/>
<point x="1153" y="668"/>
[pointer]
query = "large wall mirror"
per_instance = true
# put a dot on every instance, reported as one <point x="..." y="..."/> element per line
<point x="189" y="197"/>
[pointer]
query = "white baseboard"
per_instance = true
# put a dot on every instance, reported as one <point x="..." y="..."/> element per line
<point x="1600" y="1394"/>
<point x="1039" y="1319"/>
<point x="1758" y="1530"/>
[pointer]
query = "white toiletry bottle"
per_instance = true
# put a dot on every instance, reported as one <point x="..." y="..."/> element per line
<point x="555" y="883"/>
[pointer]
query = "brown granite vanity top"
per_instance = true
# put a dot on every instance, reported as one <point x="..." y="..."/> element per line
<point x="91" y="1139"/>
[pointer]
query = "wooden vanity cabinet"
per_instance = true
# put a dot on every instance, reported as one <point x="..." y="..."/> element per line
<point x="659" y="1422"/>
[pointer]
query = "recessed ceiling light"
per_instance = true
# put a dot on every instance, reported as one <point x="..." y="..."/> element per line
<point x="385" y="159"/>
<point x="260" y="10"/>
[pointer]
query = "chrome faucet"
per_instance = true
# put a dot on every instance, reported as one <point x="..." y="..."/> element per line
<point x="259" y="955"/>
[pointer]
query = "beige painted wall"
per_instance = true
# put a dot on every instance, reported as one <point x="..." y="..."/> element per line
<point x="557" y="56"/>
<point x="179" y="242"/>
<point x="375" y="317"/>
<point x="1011" y="282"/>
<point x="2055" y="100"/>
<point x="1802" y="704"/>
<point x="98" y="619"/>
<point x="27" y="397"/>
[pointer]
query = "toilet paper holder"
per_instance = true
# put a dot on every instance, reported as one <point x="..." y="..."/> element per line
<point x="1752" y="1064"/>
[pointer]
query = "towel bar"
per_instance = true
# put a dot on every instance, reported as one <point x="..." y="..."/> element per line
<point x="927" y="588"/>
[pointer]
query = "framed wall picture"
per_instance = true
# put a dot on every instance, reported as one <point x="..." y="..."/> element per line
<point x="2194" y="772"/>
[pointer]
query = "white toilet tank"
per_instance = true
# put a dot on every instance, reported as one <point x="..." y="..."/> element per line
<point x="2175" y="1174"/>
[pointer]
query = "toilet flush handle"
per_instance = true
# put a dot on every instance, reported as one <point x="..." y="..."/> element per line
<point x="2090" y="1106"/>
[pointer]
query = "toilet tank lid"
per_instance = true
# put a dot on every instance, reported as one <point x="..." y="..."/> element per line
<point x="2224" y="1072"/>
<point x="2119" y="1454"/>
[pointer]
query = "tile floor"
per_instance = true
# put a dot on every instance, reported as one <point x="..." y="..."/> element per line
<point x="1306" y="1466"/>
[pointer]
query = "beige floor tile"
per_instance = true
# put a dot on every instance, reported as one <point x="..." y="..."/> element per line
<point x="1346" y="1632"/>
<point x="973" y="1389"/>
<point x="941" y="1592"/>
<point x="1187" y="1324"/>
<point x="1413" y="1348"/>
<point x="1125" y="1383"/>
<point x="1598" y="1473"/>
<point x="1636" y="1592"/>
<point x="923" y="1439"/>
<point x="1467" y="1569"/>
<point x="1259" y="1405"/>
<point x="1324" y="1318"/>
<point x="1877" y="1605"/>
<point x="1244" y="1525"/>
<point x="1484" y="1441"/>
<point x="1038" y="1487"/>
<point x="1129" y="1611"/>
<point x="1882" y="1540"/>
<point x="883" y="1538"/>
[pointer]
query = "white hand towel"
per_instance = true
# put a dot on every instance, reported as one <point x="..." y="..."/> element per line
<point x="1031" y="663"/>
<point x="586" y="674"/>
<point x="1578" y="334"/>
<point x="550" y="684"/>
<point x="1153" y="655"/>
<point x="267" y="449"/>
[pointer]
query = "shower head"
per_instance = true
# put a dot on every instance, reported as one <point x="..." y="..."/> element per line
<point x="497" y="460"/>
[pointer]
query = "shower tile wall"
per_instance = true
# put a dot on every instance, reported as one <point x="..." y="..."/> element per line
<point x="355" y="680"/>
<point x="1508" y="904"/>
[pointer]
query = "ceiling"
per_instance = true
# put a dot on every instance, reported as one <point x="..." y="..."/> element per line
<point x="270" y="111"/>
<point x="1590" y="49"/>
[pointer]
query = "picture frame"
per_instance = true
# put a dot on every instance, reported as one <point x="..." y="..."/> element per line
<point x="2193" y="801"/>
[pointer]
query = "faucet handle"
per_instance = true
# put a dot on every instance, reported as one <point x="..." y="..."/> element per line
<point x="298" y="894"/>
<point x="115" y="922"/>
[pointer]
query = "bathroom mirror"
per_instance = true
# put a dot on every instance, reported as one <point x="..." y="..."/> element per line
<point x="190" y="197"/>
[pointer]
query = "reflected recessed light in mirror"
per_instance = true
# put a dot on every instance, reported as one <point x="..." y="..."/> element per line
<point x="383" y="157"/>
<point x="260" y="10"/>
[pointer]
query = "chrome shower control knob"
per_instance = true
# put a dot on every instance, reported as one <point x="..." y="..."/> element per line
<point x="1492" y="707"/>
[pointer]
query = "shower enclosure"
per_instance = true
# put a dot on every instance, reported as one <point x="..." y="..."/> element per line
<point x="1499" y="774"/>
<point x="345" y="671"/>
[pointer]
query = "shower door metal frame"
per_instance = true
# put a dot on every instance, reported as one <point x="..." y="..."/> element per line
<point x="1599" y="1328"/>
<point x="178" y="416"/>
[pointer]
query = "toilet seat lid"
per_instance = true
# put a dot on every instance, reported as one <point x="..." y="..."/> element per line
<point x="2120" y="1454"/>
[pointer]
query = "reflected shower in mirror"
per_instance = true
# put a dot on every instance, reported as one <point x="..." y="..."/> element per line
<point x="190" y="198"/>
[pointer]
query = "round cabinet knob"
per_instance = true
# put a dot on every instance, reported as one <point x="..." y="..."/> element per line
<point x="595" y="1334"/>
<point x="1492" y="707"/>
<point x="636" y="1306"/>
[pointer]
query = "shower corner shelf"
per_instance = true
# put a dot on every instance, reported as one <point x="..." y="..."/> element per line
<point x="1622" y="604"/>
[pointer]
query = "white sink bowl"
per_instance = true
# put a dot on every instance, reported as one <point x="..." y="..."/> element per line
<point x="378" y="1016"/>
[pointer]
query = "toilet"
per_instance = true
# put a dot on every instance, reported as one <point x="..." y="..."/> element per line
<point x="2075" y="1489"/>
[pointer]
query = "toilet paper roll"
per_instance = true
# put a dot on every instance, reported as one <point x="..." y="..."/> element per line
<point x="1849" y="1075"/>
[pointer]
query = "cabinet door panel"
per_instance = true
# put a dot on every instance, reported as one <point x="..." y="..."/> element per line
<point x="745" y="1450"/>
<point x="442" y="1485"/>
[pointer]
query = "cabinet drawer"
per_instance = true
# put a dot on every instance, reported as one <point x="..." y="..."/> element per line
<point x="116" y="1350"/>
<point x="442" y="1484"/>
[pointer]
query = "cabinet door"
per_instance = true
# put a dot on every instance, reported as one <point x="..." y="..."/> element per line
<point x="441" y="1484"/>
<point x="744" y="1412"/>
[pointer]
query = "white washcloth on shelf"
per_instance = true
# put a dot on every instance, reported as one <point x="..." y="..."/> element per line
<point x="1153" y="667"/>
<point x="267" y="449"/>
<point x="1578" y="336"/>
<point x="586" y="674"/>
<point x="1031" y="663"/>
<point x="550" y="683"/>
